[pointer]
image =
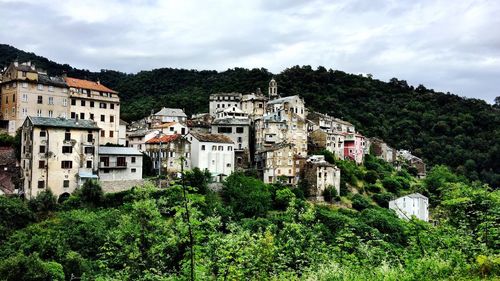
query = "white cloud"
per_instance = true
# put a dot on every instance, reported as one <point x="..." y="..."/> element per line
<point x="445" y="45"/>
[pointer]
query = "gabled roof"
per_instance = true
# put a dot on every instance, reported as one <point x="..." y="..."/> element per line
<point x="53" y="81"/>
<point x="86" y="84"/>
<point x="62" y="123"/>
<point x="118" y="150"/>
<point x="283" y="100"/>
<point x="171" y="112"/>
<point x="140" y="132"/>
<point x="163" y="139"/>
<point x="211" y="137"/>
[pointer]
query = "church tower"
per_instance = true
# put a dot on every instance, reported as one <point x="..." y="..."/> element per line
<point x="273" y="89"/>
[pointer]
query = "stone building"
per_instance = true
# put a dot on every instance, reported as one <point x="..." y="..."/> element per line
<point x="279" y="163"/>
<point x="167" y="151"/>
<point x="213" y="152"/>
<point x="332" y="141"/>
<point x="328" y="123"/>
<point x="167" y="115"/>
<point x="414" y="204"/>
<point x="138" y="138"/>
<point x="222" y="101"/>
<point x="381" y="150"/>
<point x="94" y="101"/>
<point x="405" y="157"/>
<point x="57" y="154"/>
<point x="254" y="104"/>
<point x="27" y="91"/>
<point x="284" y="122"/>
<point x="239" y="131"/>
<point x="9" y="171"/>
<point x="319" y="174"/>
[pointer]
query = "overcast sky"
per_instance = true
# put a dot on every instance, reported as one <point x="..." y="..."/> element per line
<point x="446" y="45"/>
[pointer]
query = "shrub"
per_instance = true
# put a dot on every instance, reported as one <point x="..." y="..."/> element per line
<point x="14" y="214"/>
<point x="360" y="203"/>
<point x="330" y="194"/>
<point x="91" y="192"/>
<point x="44" y="202"/>
<point x="382" y="199"/>
<point x="248" y="197"/>
<point x="343" y="188"/>
<point x="283" y="198"/>
<point x="21" y="267"/>
<point x="373" y="188"/>
<point x="371" y="177"/>
<point x="391" y="185"/>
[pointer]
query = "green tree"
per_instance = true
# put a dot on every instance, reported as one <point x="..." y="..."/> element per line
<point x="248" y="197"/>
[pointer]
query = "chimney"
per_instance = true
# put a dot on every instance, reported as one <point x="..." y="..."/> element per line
<point x="64" y="74"/>
<point x="98" y="82"/>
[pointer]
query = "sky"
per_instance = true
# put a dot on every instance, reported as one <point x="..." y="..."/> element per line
<point x="450" y="46"/>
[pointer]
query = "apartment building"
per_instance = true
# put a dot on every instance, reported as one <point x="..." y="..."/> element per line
<point x="279" y="163"/>
<point x="414" y="204"/>
<point x="93" y="101"/>
<point x="57" y="154"/>
<point x="27" y="91"/>
<point x="254" y="104"/>
<point x="239" y="131"/>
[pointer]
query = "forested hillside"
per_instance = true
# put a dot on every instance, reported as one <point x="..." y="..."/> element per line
<point x="440" y="128"/>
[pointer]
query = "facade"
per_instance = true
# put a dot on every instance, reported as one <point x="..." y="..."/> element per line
<point x="279" y="163"/>
<point x="167" y="151"/>
<point x="119" y="164"/>
<point x="222" y="101"/>
<point x="381" y="150"/>
<point x="27" y="91"/>
<point x="328" y="123"/>
<point x="9" y="171"/>
<point x="167" y="115"/>
<point x="254" y="104"/>
<point x="411" y="205"/>
<point x="213" y="152"/>
<point x="138" y="138"/>
<point x="404" y="156"/>
<point x="354" y="147"/>
<point x="320" y="175"/>
<point x="122" y="133"/>
<point x="57" y="154"/>
<point x="284" y="122"/>
<point x="331" y="141"/>
<point x="239" y="131"/>
<point x="94" y="101"/>
<point x="172" y="128"/>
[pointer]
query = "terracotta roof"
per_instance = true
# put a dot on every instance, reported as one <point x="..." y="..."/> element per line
<point x="163" y="139"/>
<point x="86" y="84"/>
<point x="211" y="137"/>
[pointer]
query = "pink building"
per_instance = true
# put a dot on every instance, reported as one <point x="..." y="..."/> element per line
<point x="354" y="147"/>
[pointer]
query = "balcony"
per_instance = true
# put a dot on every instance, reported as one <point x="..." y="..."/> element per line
<point x="112" y="165"/>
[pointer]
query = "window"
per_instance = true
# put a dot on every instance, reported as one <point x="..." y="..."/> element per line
<point x="91" y="104"/>
<point x="65" y="102"/>
<point x="67" y="135"/>
<point x="227" y="130"/>
<point x="240" y="139"/>
<point x="73" y="102"/>
<point x="89" y="164"/>
<point x="25" y="85"/>
<point x="66" y="164"/>
<point x="230" y="148"/>
<point x="214" y="148"/>
<point x="42" y="148"/>
<point x="239" y="130"/>
<point x="41" y="184"/>
<point x="82" y="103"/>
<point x="14" y="100"/>
<point x="112" y="106"/>
<point x="90" y="137"/>
<point x="105" y="161"/>
<point x="25" y="111"/>
<point x="40" y="100"/>
<point x="89" y="150"/>
<point x="102" y="105"/>
<point x="171" y="129"/>
<point x="111" y="134"/>
<point x="51" y="100"/>
<point x="82" y="115"/>
<point x="39" y="112"/>
<point x="41" y="164"/>
<point x="51" y="88"/>
<point x="203" y="147"/>
<point x="23" y="74"/>
<point x="39" y="87"/>
<point x="132" y="159"/>
<point x="221" y="148"/>
<point x="51" y="113"/>
<point x="43" y="134"/>
<point x="13" y="111"/>
<point x="103" y="118"/>
<point x="65" y="183"/>
<point x="103" y="133"/>
<point x="133" y="170"/>
<point x="228" y="165"/>
<point x="25" y="97"/>
<point x="73" y="115"/>
<point x="112" y="118"/>
<point x="91" y="116"/>
<point x="67" y="149"/>
<point x="121" y="161"/>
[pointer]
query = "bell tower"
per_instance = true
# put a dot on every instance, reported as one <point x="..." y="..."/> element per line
<point x="273" y="89"/>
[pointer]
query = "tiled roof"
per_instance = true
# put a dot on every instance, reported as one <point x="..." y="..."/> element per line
<point x="211" y="138"/>
<point x="140" y="132"/>
<point x="165" y="125"/>
<point x="86" y="84"/>
<point x="171" y="112"/>
<point x="118" y="150"/>
<point x="163" y="139"/>
<point x="63" y="123"/>
<point x="231" y="121"/>
<point x="54" y="81"/>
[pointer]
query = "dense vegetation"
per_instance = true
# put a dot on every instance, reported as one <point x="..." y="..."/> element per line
<point x="441" y="128"/>
<point x="254" y="231"/>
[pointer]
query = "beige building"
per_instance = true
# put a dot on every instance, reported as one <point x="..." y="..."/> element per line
<point x="284" y="122"/>
<point x="26" y="91"/>
<point x="94" y="101"/>
<point x="254" y="104"/>
<point x="279" y="163"/>
<point x="320" y="175"/>
<point x="332" y="141"/>
<point x="57" y="154"/>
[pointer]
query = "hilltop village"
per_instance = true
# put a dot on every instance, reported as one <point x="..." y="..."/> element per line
<point x="71" y="132"/>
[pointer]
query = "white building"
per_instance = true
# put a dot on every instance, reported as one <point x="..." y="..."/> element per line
<point x="213" y="152"/>
<point x="138" y="138"/>
<point x="320" y="175"/>
<point x="119" y="167"/>
<point x="172" y="128"/>
<point x="166" y="115"/>
<point x="414" y="204"/>
<point x="222" y="101"/>
<point x="122" y="133"/>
